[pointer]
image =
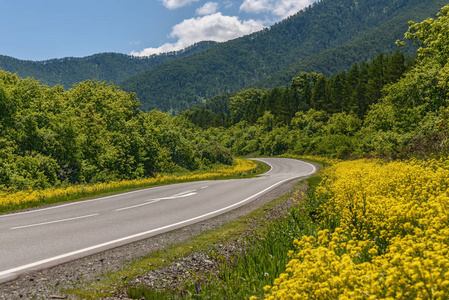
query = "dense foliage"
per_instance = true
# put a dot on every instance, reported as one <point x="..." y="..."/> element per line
<point x="312" y="114"/>
<point x="110" y="67"/>
<point x="383" y="234"/>
<point x="328" y="37"/>
<point x="92" y="132"/>
<point x="351" y="92"/>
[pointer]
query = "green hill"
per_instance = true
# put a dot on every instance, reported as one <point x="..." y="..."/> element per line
<point x="108" y="67"/>
<point x="327" y="37"/>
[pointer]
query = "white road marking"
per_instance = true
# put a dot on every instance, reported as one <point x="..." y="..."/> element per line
<point x="180" y="195"/>
<point x="53" y="222"/>
<point x="204" y="187"/>
<point x="183" y="193"/>
<point x="81" y="202"/>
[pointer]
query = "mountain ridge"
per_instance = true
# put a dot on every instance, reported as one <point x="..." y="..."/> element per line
<point x="107" y="66"/>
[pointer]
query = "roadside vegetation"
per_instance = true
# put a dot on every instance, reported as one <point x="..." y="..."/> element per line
<point x="91" y="133"/>
<point x="33" y="198"/>
<point x="382" y="233"/>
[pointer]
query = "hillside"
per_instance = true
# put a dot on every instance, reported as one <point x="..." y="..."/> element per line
<point x="108" y="67"/>
<point x="327" y="37"/>
<point x="362" y="48"/>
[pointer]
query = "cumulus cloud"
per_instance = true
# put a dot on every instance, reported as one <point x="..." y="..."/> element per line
<point x="215" y="27"/>
<point x="207" y="9"/>
<point x="279" y="8"/>
<point x="255" y="6"/>
<point x="172" y="4"/>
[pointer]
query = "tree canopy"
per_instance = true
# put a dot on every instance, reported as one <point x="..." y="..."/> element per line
<point x="92" y="132"/>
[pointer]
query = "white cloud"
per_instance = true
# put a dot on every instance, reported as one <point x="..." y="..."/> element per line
<point x="173" y="4"/>
<point x="279" y="8"/>
<point x="207" y="9"/>
<point x="255" y="6"/>
<point x="215" y="27"/>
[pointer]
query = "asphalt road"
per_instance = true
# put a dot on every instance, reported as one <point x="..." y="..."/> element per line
<point x="49" y="236"/>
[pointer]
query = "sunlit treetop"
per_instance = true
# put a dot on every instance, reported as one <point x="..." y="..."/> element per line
<point x="432" y="35"/>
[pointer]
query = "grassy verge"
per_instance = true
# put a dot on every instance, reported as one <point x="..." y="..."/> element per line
<point x="10" y="202"/>
<point x="231" y="271"/>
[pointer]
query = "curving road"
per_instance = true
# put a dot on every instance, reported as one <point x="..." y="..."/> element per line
<point x="49" y="236"/>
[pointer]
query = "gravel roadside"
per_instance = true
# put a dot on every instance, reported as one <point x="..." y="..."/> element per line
<point x="48" y="283"/>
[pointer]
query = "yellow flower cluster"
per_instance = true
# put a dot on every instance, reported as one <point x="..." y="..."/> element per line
<point x="388" y="235"/>
<point x="241" y="167"/>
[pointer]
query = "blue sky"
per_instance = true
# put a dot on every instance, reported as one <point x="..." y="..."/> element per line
<point x="46" y="29"/>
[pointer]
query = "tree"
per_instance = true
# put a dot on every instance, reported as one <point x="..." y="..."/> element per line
<point x="319" y="100"/>
<point x="428" y="82"/>
<point x="302" y="84"/>
<point x="395" y="67"/>
<point x="244" y="105"/>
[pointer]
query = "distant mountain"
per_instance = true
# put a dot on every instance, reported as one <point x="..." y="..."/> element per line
<point x="327" y="37"/>
<point x="363" y="47"/>
<point x="113" y="67"/>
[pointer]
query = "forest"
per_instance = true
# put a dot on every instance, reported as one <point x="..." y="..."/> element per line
<point x="312" y="114"/>
<point x="390" y="107"/>
<point x="93" y="132"/>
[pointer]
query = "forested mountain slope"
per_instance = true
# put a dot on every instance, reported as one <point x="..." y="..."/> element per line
<point x="389" y="108"/>
<point x="362" y="48"/>
<point x="327" y="37"/>
<point x="113" y="67"/>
